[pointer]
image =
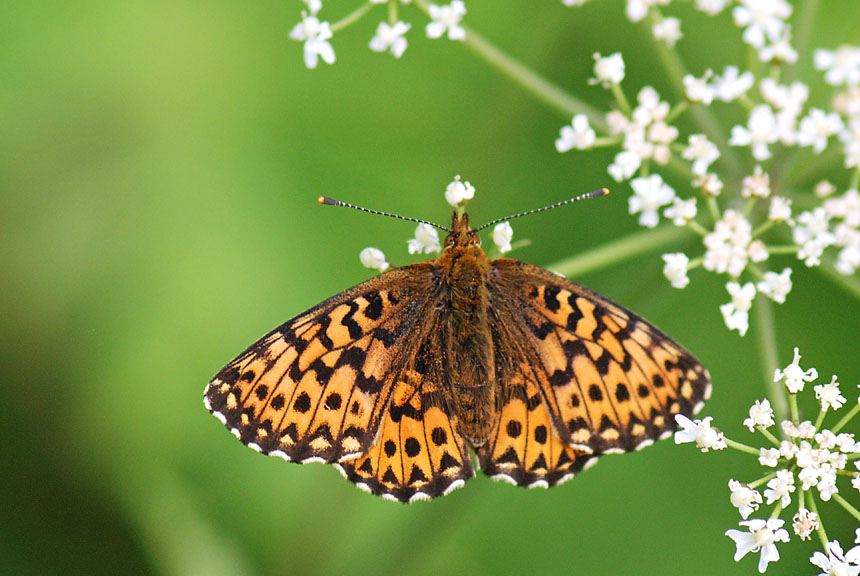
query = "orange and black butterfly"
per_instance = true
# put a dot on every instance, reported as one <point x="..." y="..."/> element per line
<point x="396" y="380"/>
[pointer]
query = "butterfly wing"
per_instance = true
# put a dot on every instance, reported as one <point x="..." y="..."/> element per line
<point x="608" y="380"/>
<point x="346" y="381"/>
<point x="419" y="454"/>
<point x="316" y="388"/>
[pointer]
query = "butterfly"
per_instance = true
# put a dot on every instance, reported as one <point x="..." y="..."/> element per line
<point x="398" y="380"/>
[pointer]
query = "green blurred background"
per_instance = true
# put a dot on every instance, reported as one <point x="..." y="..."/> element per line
<point x="159" y="166"/>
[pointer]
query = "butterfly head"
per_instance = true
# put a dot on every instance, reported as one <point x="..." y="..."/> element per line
<point x="461" y="234"/>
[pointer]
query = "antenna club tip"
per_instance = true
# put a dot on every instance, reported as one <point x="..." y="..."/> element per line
<point x="326" y="200"/>
<point x="601" y="192"/>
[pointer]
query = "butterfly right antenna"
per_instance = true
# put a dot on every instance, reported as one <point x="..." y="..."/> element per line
<point x="593" y="194"/>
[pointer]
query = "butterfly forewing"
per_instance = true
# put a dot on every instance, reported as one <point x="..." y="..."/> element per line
<point x="611" y="381"/>
<point x="317" y="387"/>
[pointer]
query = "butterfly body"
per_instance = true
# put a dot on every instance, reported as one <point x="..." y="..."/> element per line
<point x="396" y="380"/>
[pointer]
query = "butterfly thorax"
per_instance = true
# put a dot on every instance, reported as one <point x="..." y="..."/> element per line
<point x="466" y="338"/>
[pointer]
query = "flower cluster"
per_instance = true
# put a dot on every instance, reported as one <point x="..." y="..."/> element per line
<point x="390" y="35"/>
<point x="802" y="465"/>
<point x="743" y="174"/>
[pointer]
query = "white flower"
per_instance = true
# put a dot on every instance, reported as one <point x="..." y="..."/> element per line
<point x="625" y="165"/>
<point x="779" y="50"/>
<point x="315" y="35"/>
<point x="608" y="70"/>
<point x="712" y="7"/>
<point x="804" y="523"/>
<point x="780" y="488"/>
<point x="649" y="195"/>
<point x="459" y="192"/>
<point x="698" y="89"/>
<point x="700" y="432"/>
<point x="638" y="9"/>
<point x="681" y="212"/>
<point x="736" y="312"/>
<point x="675" y="269"/>
<point x="650" y="109"/>
<point x="794" y="376"/>
<point x="502" y="235"/>
<point x="390" y="38"/>
<point x="829" y="395"/>
<point x="817" y="127"/>
<point x="313" y="5"/>
<point x="812" y="235"/>
<point x="780" y="209"/>
<point x="426" y="240"/>
<point x="763" y="19"/>
<point x="846" y="207"/>
<point x="757" y="185"/>
<point x="728" y="245"/>
<point x="578" y="134"/>
<point x="731" y="85"/>
<point x="758" y="133"/>
<point x="702" y="152"/>
<point x="762" y="536"/>
<point x="744" y="498"/>
<point x="785" y="97"/>
<point x="710" y="184"/>
<point x="824" y="189"/>
<point x="835" y="563"/>
<point x="668" y="30"/>
<point x="768" y="457"/>
<point x="843" y="65"/>
<point x="446" y="18"/>
<point x="761" y="414"/>
<point x="776" y="286"/>
<point x="374" y="259"/>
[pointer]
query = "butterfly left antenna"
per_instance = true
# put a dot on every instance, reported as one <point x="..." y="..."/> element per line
<point x="332" y="202"/>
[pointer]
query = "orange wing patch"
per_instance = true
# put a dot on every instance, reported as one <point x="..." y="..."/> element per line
<point x="525" y="449"/>
<point x="419" y="454"/>
<point x="316" y="388"/>
<point x="612" y="382"/>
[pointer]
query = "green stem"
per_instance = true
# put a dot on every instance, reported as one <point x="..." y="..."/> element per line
<point x="617" y="251"/>
<point x="851" y="509"/>
<point x="623" y="104"/>
<point x="697" y="228"/>
<point x="762" y="480"/>
<point x="805" y="20"/>
<point x="741" y="447"/>
<point x="790" y="249"/>
<point x="714" y="208"/>
<point x="822" y="535"/>
<point x="532" y="82"/>
<point x="774" y="440"/>
<point x="352" y="17"/>
<point x="792" y="405"/>
<point x="846" y="419"/>
<point x="770" y="359"/>
<point x="818" y="421"/>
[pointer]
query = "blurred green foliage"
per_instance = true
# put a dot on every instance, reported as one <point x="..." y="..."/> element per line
<point x="159" y="165"/>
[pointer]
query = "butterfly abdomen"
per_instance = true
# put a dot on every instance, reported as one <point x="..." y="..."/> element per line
<point x="468" y="342"/>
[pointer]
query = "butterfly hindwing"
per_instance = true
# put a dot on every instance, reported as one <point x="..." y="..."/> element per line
<point x="317" y="387"/>
<point x="610" y="380"/>
<point x="525" y="448"/>
<point x="419" y="454"/>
